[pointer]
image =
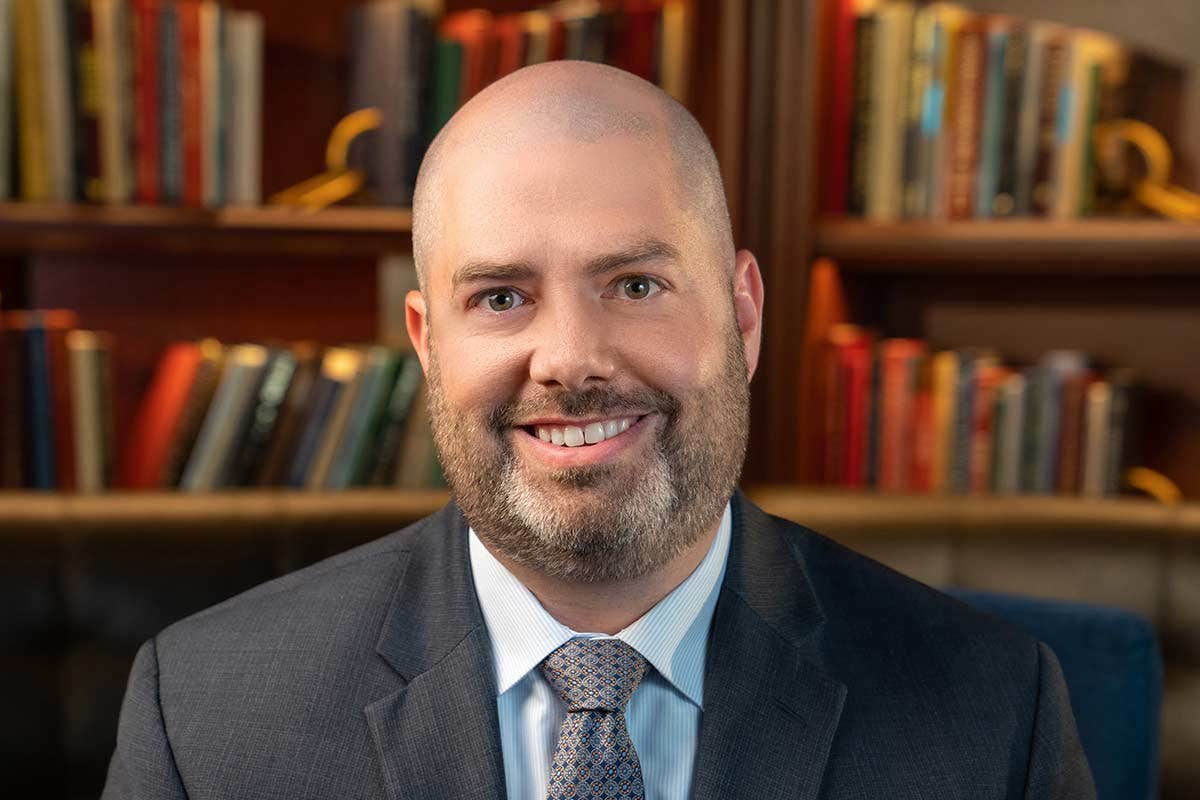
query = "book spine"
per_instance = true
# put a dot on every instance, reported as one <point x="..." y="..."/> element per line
<point x="1027" y="124"/>
<point x="147" y="91"/>
<point x="861" y="115"/>
<point x="40" y="442"/>
<point x="191" y="102"/>
<point x="983" y="426"/>
<point x="1054" y="64"/>
<point x="1010" y="435"/>
<point x="965" y="388"/>
<point x="889" y="83"/>
<point x="995" y="91"/>
<point x="113" y="88"/>
<point x="379" y="466"/>
<point x="86" y="406"/>
<point x="1087" y="161"/>
<point x="89" y="76"/>
<point x="1096" y="437"/>
<point x="244" y="128"/>
<point x="1068" y="480"/>
<point x="1117" y="447"/>
<point x="261" y="421"/>
<point x="7" y="99"/>
<point x="1004" y="202"/>
<point x="898" y="386"/>
<point x="963" y="169"/>
<point x="917" y="98"/>
<point x="34" y="167"/>
<point x="856" y="371"/>
<point x="945" y="406"/>
<point x="841" y="101"/>
<point x="13" y="408"/>
<point x="920" y="477"/>
<point x="58" y="107"/>
<point x="212" y="119"/>
<point x="170" y="133"/>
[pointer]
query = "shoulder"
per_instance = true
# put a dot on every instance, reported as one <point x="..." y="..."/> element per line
<point x="307" y="605"/>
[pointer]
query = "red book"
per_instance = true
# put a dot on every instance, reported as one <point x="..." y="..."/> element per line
<point x="840" y="104"/>
<point x="635" y="51"/>
<point x="898" y="362"/>
<point x="149" y="444"/>
<point x="924" y="438"/>
<point x="856" y="364"/>
<point x="145" y="99"/>
<point x="472" y="29"/>
<point x="191" y="106"/>
<point x="509" y="36"/>
<point x="841" y="340"/>
<point x="1071" y="432"/>
<point x="558" y="38"/>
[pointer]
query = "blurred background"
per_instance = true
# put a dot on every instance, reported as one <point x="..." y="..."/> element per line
<point x="982" y="348"/>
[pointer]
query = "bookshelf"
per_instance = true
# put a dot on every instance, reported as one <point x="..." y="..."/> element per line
<point x="270" y="230"/>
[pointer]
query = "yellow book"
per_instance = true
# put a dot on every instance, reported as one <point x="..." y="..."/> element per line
<point x="673" y="53"/>
<point x="31" y="129"/>
<point x="945" y="396"/>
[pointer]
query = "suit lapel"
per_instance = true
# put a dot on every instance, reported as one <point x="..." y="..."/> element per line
<point x="770" y="713"/>
<point x="438" y="736"/>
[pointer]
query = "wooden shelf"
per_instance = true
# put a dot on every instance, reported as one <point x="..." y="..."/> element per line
<point x="37" y="228"/>
<point x="1085" y="247"/>
<point x="835" y="512"/>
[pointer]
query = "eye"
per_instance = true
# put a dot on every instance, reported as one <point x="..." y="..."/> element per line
<point x="638" y="287"/>
<point x="500" y="300"/>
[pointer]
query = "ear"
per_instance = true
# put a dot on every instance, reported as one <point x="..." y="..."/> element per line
<point x="416" y="319"/>
<point x="748" y="306"/>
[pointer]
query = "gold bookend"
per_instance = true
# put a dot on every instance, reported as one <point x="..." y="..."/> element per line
<point x="338" y="181"/>
<point x="1154" y="191"/>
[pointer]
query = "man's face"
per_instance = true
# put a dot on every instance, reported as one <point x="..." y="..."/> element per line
<point x="570" y="298"/>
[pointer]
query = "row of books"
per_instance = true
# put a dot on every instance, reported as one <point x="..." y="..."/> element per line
<point x="418" y="68"/>
<point x="899" y="417"/>
<point x="938" y="113"/>
<point x="56" y="417"/>
<point x="301" y="416"/>
<point x="215" y="416"/>
<point x="117" y="101"/>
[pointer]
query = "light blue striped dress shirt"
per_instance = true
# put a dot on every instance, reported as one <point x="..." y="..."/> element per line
<point x="664" y="713"/>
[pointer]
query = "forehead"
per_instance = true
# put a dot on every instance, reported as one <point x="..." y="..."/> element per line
<point x="556" y="200"/>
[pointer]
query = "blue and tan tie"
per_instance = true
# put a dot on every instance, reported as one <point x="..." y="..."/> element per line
<point x="594" y="758"/>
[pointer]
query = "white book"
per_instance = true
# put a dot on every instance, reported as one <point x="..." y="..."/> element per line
<point x="1097" y="419"/>
<point x="56" y="87"/>
<point x="889" y="84"/>
<point x="212" y="114"/>
<point x="7" y="97"/>
<point x="215" y="442"/>
<point x="243" y="129"/>
<point x="115" y="77"/>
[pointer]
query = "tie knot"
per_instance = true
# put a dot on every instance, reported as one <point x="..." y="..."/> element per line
<point x="594" y="674"/>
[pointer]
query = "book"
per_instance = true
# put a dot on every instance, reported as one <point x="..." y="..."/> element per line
<point x="944" y="383"/>
<point x="1054" y="56"/>
<point x="1008" y="435"/>
<point x="538" y="28"/>
<point x="13" y="413"/>
<point x="937" y="111"/>
<point x="339" y="366"/>
<point x="1055" y="369"/>
<point x="218" y="434"/>
<point x="989" y="377"/>
<point x="91" y="403"/>
<point x="509" y="32"/>
<point x="243" y="131"/>
<point x="1002" y="37"/>
<point x="114" y="81"/>
<point x="58" y="323"/>
<point x="190" y="91"/>
<point x="899" y="362"/>
<point x="919" y="94"/>
<point x="971" y="363"/>
<point x="862" y="114"/>
<point x="335" y="426"/>
<point x="856" y="368"/>
<point x="34" y="159"/>
<point x="418" y="465"/>
<point x="1072" y="432"/>
<point x="212" y="100"/>
<point x="381" y="367"/>
<point x="1038" y="35"/>
<point x="57" y="105"/>
<point x="254" y="430"/>
<point x="893" y="40"/>
<point x="966" y="119"/>
<point x="200" y="395"/>
<point x="1097" y="419"/>
<point x="1004" y="199"/>
<point x="7" y="99"/>
<point x="380" y="462"/>
<point x="285" y="432"/>
<point x="147" y="92"/>
<point x="170" y="85"/>
<point x="143" y="459"/>
<point x="674" y="62"/>
<point x="836" y="124"/>
<point x="920" y="476"/>
<point x="86" y="79"/>
<point x="1117" y="449"/>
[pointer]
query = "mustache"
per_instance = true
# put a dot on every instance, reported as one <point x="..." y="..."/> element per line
<point x="604" y="401"/>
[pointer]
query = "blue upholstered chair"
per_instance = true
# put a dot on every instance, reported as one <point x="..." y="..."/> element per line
<point x="1113" y="668"/>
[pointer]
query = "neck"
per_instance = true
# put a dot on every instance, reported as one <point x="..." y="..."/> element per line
<point x="609" y="607"/>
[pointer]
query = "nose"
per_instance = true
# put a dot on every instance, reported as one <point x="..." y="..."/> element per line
<point x="573" y="347"/>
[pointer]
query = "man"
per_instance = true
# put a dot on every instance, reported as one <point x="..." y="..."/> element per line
<point x="598" y="613"/>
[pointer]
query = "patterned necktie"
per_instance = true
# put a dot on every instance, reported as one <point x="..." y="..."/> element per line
<point x="594" y="757"/>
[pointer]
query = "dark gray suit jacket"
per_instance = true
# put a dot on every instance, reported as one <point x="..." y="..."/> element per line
<point x="369" y="675"/>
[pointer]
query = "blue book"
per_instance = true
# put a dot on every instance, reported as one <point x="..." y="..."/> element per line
<point x="40" y="442"/>
<point x="1057" y="367"/>
<point x="995" y="97"/>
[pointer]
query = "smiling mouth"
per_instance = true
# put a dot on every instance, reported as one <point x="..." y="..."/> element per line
<point x="582" y="435"/>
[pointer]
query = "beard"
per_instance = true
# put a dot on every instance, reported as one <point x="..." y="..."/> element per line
<point x="606" y="523"/>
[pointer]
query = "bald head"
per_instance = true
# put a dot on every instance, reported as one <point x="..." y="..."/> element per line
<point x="581" y="102"/>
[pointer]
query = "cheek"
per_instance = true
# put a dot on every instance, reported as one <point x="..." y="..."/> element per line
<point x="478" y="372"/>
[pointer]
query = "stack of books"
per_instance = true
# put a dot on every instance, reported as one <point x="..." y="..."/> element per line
<point x="938" y="113"/>
<point x="56" y="419"/>
<point x="418" y="69"/>
<point x="299" y="416"/>
<point x="899" y="417"/>
<point x="117" y="101"/>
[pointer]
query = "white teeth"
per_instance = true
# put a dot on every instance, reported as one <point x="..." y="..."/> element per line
<point x="575" y="436"/>
<point x="594" y="433"/>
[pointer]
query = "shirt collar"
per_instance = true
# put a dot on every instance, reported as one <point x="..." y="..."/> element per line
<point x="672" y="636"/>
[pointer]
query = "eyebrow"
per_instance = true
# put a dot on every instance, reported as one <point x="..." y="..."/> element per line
<point x="515" y="271"/>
